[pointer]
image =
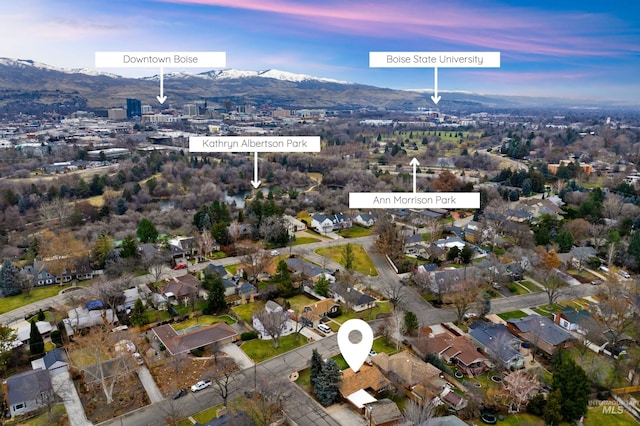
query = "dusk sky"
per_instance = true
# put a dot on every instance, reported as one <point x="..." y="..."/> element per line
<point x="577" y="49"/>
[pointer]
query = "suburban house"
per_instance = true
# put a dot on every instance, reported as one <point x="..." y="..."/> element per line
<point x="24" y="330"/>
<point x="219" y="269"/>
<point x="458" y="350"/>
<point x="422" y="381"/>
<point x="245" y="289"/>
<point x="307" y="269"/>
<point x="229" y="287"/>
<point x="54" y="361"/>
<point x="39" y="272"/>
<point x="365" y="219"/>
<point x="541" y="332"/>
<point x="581" y="321"/>
<point x="189" y="339"/>
<point x="182" y="289"/>
<point x="272" y="308"/>
<point x="130" y="297"/>
<point x="354" y="299"/>
<point x="313" y="313"/>
<point x="80" y="318"/>
<point x="497" y="341"/>
<point x="28" y="391"/>
<point x="368" y="378"/>
<point x="325" y="224"/>
<point x="384" y="412"/>
<point x="294" y="225"/>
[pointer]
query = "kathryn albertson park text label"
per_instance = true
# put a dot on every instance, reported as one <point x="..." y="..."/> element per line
<point x="254" y="144"/>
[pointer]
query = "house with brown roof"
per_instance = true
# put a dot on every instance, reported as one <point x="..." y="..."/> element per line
<point x="182" y="341"/>
<point x="181" y="289"/>
<point x="384" y="412"/>
<point x="368" y="378"/>
<point x="459" y="350"/>
<point x="314" y="312"/>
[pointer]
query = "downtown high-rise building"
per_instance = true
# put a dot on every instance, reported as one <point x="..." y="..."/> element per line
<point x="134" y="108"/>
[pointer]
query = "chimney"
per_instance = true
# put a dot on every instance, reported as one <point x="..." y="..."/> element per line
<point x="556" y="318"/>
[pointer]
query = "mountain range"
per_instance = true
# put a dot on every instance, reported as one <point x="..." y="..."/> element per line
<point x="23" y="81"/>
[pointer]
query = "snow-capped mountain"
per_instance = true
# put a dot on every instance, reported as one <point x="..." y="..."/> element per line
<point x="28" y="63"/>
<point x="232" y="74"/>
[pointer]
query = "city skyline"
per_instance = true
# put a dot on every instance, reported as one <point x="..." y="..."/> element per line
<point x="580" y="50"/>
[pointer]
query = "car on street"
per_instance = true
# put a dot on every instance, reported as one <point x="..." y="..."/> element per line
<point x="275" y="252"/>
<point x="180" y="266"/>
<point x="596" y="282"/>
<point x="202" y="384"/>
<point x="180" y="393"/>
<point x="624" y="274"/>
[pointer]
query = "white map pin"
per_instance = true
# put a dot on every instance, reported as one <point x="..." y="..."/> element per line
<point x="355" y="353"/>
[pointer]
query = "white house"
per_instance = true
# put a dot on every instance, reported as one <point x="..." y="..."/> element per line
<point x="365" y="219"/>
<point x="324" y="224"/>
<point x="272" y="308"/>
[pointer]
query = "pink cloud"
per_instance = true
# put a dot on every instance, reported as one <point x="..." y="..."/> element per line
<point x="501" y="28"/>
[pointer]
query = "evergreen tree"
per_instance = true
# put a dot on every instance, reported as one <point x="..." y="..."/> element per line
<point x="565" y="241"/>
<point x="573" y="384"/>
<point x="552" y="409"/>
<point x="8" y="279"/>
<point x="102" y="249"/>
<point x="327" y="385"/>
<point x="216" y="302"/>
<point x="283" y="280"/>
<point x="316" y="366"/>
<point x="411" y="324"/>
<point x="129" y="247"/>
<point x="322" y="286"/>
<point x="147" y="232"/>
<point x="348" y="257"/>
<point x="466" y="254"/>
<point x="36" y="342"/>
<point x="138" y="316"/>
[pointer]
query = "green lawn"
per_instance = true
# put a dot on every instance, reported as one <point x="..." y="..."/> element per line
<point x="204" y="320"/>
<point x="515" y="289"/>
<point x="304" y="379"/>
<point x="599" y="368"/>
<point x="305" y="240"/>
<point x="260" y="350"/>
<point x="513" y="314"/>
<point x="597" y="417"/>
<point x="380" y="345"/>
<point x="218" y="255"/>
<point x="355" y="232"/>
<point x="44" y="419"/>
<point x="207" y="415"/>
<point x="531" y="286"/>
<point x="382" y="307"/>
<point x="544" y="310"/>
<point x="297" y="302"/>
<point x="339" y="359"/>
<point x="521" y="420"/>
<point x="362" y="262"/>
<point x="246" y="311"/>
<point x="156" y="316"/>
<point x="37" y="294"/>
<point x="232" y="269"/>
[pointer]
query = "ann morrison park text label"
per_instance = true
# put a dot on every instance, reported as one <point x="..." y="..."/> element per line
<point x="412" y="200"/>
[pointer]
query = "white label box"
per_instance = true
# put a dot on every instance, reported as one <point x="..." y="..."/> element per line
<point x="254" y="144"/>
<point x="413" y="200"/>
<point x="161" y="59"/>
<point x="434" y="59"/>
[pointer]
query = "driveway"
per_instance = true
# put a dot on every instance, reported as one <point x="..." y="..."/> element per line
<point x="63" y="386"/>
<point x="238" y="355"/>
<point x="149" y="384"/>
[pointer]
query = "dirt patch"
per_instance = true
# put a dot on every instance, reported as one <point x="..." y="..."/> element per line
<point x="128" y="395"/>
<point x="171" y="374"/>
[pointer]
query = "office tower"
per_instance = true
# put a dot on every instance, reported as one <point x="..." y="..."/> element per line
<point x="134" y="108"/>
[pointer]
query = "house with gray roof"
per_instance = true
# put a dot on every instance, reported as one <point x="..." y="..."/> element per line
<point x="28" y="391"/>
<point x="541" y="332"/>
<point x="304" y="268"/>
<point x="497" y="341"/>
<point x="356" y="300"/>
<point x="324" y="224"/>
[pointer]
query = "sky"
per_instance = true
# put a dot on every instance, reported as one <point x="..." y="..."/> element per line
<point x="573" y="49"/>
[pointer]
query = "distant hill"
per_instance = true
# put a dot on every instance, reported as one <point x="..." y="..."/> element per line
<point x="26" y="82"/>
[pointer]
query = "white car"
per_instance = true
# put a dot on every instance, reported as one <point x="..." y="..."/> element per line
<point x="468" y="315"/>
<point x="202" y="384"/>
<point x="275" y="253"/>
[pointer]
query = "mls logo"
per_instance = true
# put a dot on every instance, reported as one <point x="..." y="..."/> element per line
<point x="612" y="409"/>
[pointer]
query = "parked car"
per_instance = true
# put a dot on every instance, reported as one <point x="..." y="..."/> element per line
<point x="180" y="266"/>
<point x="624" y="274"/>
<point x="596" y="282"/>
<point x="324" y="328"/>
<point x="275" y="252"/>
<point x="180" y="393"/>
<point x="468" y="315"/>
<point x="202" y="384"/>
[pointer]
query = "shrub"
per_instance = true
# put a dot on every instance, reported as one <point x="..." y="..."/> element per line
<point x="56" y="337"/>
<point x="335" y="314"/>
<point x="249" y="335"/>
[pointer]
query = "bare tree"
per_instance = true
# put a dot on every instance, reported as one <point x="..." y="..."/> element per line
<point x="111" y="291"/>
<point x="223" y="376"/>
<point x="100" y="367"/>
<point x="254" y="261"/>
<point x="205" y="243"/>
<point x="520" y="386"/>
<point x="598" y="233"/>
<point x="273" y="323"/>
<point x="552" y="286"/>
<point x="396" y="294"/>
<point x="464" y="295"/>
<point x="173" y="410"/>
<point x="267" y="403"/>
<point x="418" y="413"/>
